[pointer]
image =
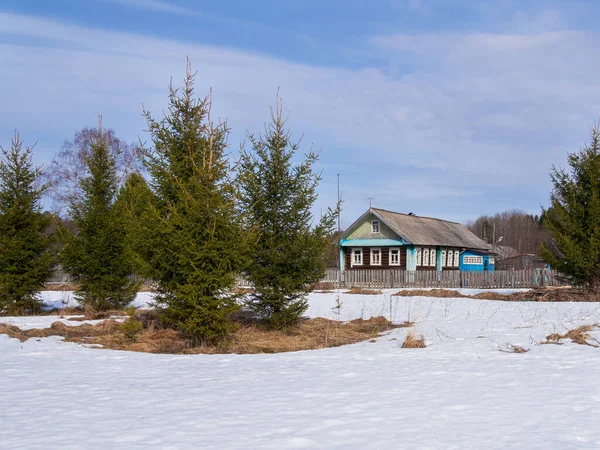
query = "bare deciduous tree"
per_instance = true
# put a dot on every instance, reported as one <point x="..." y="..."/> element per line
<point x="70" y="165"/>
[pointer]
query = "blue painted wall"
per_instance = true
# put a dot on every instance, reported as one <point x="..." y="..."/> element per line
<point x="486" y="264"/>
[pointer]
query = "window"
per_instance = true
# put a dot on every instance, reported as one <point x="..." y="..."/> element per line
<point x="375" y="226"/>
<point x="492" y="261"/>
<point x="456" y="258"/>
<point x="418" y="256"/>
<point x="425" y="256"/>
<point x="394" y="256"/>
<point x="473" y="260"/>
<point x="432" y="257"/>
<point x="443" y="258"/>
<point x="356" y="257"/>
<point x="449" y="258"/>
<point x="375" y="256"/>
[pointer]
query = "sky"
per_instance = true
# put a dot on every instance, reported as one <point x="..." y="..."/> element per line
<point x="444" y="108"/>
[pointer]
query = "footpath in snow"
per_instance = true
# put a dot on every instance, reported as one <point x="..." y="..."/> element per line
<point x="461" y="392"/>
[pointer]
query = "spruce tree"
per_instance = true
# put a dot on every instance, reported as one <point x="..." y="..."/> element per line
<point x="277" y="197"/>
<point x="135" y="201"/>
<point x="25" y="257"/>
<point x="96" y="256"/>
<point x="574" y="216"/>
<point x="197" y="245"/>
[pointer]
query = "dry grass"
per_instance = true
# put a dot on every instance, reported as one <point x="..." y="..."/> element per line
<point x="250" y="337"/>
<point x="534" y="295"/>
<point x="362" y="291"/>
<point x="60" y="287"/>
<point x="322" y="286"/>
<point x="579" y="335"/>
<point x="412" y="341"/>
<point x="441" y="293"/>
<point x="510" y="348"/>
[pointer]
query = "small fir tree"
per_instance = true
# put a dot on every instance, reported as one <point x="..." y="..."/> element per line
<point x="277" y="197"/>
<point x="574" y="216"/>
<point x="25" y="256"/>
<point x="196" y="246"/>
<point x="96" y="256"/>
<point x="135" y="201"/>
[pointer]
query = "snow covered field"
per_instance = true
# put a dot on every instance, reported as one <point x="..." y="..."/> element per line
<point x="461" y="392"/>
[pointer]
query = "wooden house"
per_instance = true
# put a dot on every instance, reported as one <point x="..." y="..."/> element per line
<point x="381" y="239"/>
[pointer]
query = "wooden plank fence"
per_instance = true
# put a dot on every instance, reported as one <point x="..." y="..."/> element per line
<point x="388" y="278"/>
<point x="450" y="279"/>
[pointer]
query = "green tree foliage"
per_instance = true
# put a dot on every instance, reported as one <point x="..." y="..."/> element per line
<point x="135" y="201"/>
<point x="25" y="257"/>
<point x="277" y="197"/>
<point x="196" y="246"/>
<point x="96" y="256"/>
<point x="574" y="216"/>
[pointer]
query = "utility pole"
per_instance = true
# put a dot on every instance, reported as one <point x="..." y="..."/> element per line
<point x="339" y="234"/>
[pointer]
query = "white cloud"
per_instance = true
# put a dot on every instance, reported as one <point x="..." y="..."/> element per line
<point x="447" y="124"/>
<point x="158" y="6"/>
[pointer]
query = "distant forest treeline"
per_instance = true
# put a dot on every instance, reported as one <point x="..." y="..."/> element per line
<point x="516" y="229"/>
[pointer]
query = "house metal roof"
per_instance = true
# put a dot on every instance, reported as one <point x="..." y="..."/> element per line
<point x="419" y="230"/>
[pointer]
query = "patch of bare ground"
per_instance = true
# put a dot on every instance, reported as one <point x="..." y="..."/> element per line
<point x="362" y="291"/>
<point x="413" y="341"/>
<point x="251" y="337"/>
<point x="580" y="335"/>
<point x="60" y="287"/>
<point x="550" y="294"/>
<point x="323" y="286"/>
<point x="442" y="293"/>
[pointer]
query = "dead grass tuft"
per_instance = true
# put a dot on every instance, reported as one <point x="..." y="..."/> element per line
<point x="322" y="286"/>
<point x="490" y="296"/>
<point x="251" y="337"/>
<point x="362" y="291"/>
<point x="441" y="293"/>
<point x="61" y="287"/>
<point x="510" y="348"/>
<point x="579" y="335"/>
<point x="412" y="341"/>
<point x="549" y="294"/>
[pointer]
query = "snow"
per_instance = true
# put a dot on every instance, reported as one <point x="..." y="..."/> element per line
<point x="461" y="392"/>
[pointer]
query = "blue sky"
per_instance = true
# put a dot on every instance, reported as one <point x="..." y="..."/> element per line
<point x="444" y="108"/>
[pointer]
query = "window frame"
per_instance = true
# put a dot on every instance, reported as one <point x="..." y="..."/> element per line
<point x="443" y="258"/>
<point x="456" y="258"/>
<point x="394" y="249"/>
<point x="425" y="257"/>
<point x="432" y="257"/>
<point x="373" y="222"/>
<point x="419" y="257"/>
<point x="473" y="260"/>
<point x="375" y="249"/>
<point x="356" y="251"/>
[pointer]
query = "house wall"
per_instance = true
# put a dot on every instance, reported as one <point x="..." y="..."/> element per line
<point x="485" y="262"/>
<point x="408" y="259"/>
<point x="385" y="258"/>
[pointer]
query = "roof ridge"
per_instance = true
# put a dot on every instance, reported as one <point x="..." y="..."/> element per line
<point x="414" y="215"/>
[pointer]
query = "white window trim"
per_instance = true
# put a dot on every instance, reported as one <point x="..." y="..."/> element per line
<point x="425" y="258"/>
<point x="456" y="259"/>
<point x="473" y="260"/>
<point x="397" y="249"/>
<point x="352" y="263"/>
<point x="432" y="257"/>
<point x="419" y="257"/>
<point x="443" y="258"/>
<point x="373" y="222"/>
<point x="371" y="261"/>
